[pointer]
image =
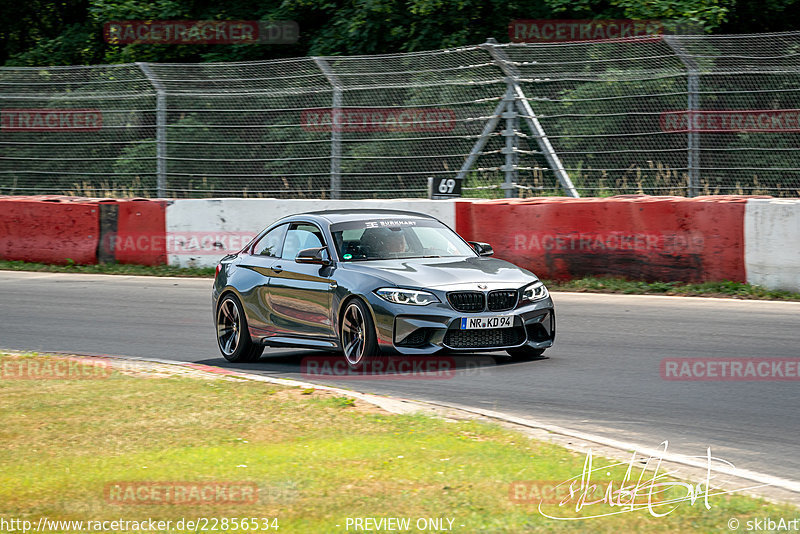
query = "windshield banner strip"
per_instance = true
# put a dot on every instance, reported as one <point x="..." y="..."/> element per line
<point x="384" y="223"/>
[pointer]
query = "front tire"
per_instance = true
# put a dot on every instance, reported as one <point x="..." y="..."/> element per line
<point x="357" y="334"/>
<point x="525" y="353"/>
<point x="233" y="337"/>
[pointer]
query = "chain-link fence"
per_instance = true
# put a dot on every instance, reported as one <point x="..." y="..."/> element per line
<point x="678" y="115"/>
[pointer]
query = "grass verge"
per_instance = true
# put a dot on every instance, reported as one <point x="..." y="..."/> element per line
<point x="589" y="284"/>
<point x="315" y="458"/>
<point x="724" y="289"/>
<point x="108" y="268"/>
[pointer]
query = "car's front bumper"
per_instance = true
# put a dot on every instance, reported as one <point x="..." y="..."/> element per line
<point x="420" y="330"/>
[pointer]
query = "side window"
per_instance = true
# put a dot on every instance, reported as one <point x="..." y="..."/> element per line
<point x="301" y="236"/>
<point x="270" y="244"/>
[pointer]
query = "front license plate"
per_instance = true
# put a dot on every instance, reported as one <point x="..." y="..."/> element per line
<point x="498" y="321"/>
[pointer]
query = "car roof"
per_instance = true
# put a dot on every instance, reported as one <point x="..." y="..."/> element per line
<point x="343" y="215"/>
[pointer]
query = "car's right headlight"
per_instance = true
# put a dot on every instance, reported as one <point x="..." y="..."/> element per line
<point x="406" y="296"/>
<point x="534" y="291"/>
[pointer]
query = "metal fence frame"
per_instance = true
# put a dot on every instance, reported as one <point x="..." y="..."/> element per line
<point x="514" y="108"/>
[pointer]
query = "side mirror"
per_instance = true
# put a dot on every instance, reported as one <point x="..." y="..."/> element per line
<point x="483" y="249"/>
<point x="317" y="255"/>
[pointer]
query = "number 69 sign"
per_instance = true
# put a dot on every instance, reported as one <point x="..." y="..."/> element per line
<point x="444" y="188"/>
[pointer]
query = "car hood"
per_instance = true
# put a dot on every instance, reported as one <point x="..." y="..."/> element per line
<point x="446" y="273"/>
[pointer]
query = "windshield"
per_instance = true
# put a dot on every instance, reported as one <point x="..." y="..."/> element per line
<point x="383" y="239"/>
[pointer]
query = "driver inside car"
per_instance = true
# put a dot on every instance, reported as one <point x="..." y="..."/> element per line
<point x="384" y="240"/>
<point x="395" y="241"/>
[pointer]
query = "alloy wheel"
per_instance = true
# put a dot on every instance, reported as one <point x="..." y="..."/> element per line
<point x="353" y="333"/>
<point x="228" y="327"/>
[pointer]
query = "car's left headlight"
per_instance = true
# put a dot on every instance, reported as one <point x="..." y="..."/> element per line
<point x="534" y="291"/>
<point x="406" y="296"/>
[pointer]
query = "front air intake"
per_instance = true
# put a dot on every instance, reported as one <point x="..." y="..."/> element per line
<point x="505" y="299"/>
<point x="466" y="301"/>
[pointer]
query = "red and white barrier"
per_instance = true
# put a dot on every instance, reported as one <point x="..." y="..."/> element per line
<point x="640" y="237"/>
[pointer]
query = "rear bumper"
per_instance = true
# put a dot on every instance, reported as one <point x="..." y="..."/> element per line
<point x="436" y="328"/>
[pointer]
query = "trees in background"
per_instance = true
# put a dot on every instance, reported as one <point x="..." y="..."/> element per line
<point x="67" y="32"/>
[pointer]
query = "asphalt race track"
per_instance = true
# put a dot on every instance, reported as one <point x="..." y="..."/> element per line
<point x="602" y="377"/>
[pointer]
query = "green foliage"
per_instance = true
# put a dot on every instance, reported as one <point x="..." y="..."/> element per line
<point x="710" y="14"/>
<point x="70" y="32"/>
<point x="343" y="402"/>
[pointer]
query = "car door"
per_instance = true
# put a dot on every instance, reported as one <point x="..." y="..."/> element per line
<point x="254" y="286"/>
<point x="300" y="294"/>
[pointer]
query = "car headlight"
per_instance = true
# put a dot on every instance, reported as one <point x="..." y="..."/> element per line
<point x="406" y="296"/>
<point x="534" y="291"/>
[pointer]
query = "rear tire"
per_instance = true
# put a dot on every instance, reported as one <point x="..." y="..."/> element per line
<point x="233" y="337"/>
<point x="525" y="353"/>
<point x="357" y="334"/>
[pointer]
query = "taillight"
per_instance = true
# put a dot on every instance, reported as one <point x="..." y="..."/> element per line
<point x="219" y="268"/>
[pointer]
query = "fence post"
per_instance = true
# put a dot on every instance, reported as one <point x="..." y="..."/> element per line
<point x="336" y="134"/>
<point x="502" y="61"/>
<point x="161" y="129"/>
<point x="510" y="150"/>
<point x="692" y="105"/>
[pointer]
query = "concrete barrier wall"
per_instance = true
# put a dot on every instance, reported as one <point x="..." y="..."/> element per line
<point x="140" y="236"/>
<point x="772" y="243"/>
<point x="57" y="229"/>
<point x="641" y="237"/>
<point x="49" y="229"/>
<point x="659" y="238"/>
